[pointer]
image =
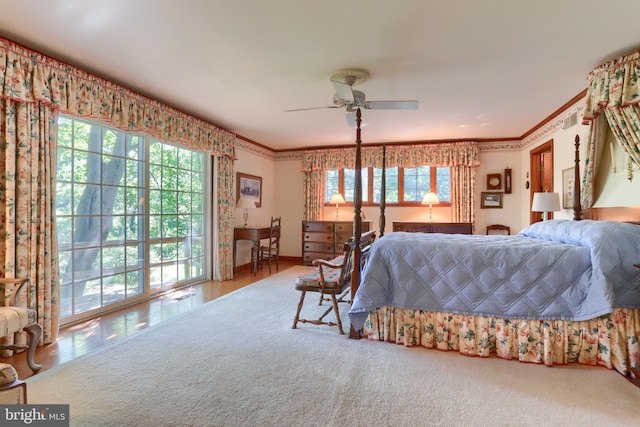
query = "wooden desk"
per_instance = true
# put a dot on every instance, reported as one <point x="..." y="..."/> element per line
<point x="255" y="233"/>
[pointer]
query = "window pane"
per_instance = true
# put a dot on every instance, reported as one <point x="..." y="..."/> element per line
<point x="417" y="183"/>
<point x="443" y="184"/>
<point x="391" y="179"/>
<point x="331" y="184"/>
<point x="350" y="184"/>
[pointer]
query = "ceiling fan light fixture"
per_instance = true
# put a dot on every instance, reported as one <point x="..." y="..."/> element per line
<point x="338" y="101"/>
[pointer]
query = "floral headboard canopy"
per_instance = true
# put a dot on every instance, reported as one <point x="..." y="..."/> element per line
<point x="613" y="89"/>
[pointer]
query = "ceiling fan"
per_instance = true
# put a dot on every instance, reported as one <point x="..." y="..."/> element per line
<point x="345" y="96"/>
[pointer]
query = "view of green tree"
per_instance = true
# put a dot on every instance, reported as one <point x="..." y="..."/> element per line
<point x="417" y="183"/>
<point x="103" y="205"/>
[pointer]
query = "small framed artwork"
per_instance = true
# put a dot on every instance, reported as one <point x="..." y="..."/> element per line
<point x="568" y="184"/>
<point x="249" y="186"/>
<point x="491" y="200"/>
<point x="507" y="181"/>
<point x="494" y="181"/>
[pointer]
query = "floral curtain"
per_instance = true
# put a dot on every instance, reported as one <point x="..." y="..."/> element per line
<point x="461" y="157"/>
<point x="27" y="186"/>
<point x="226" y="209"/>
<point x="615" y="90"/>
<point x="50" y="86"/>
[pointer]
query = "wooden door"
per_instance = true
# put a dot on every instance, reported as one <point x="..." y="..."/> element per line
<point x="541" y="159"/>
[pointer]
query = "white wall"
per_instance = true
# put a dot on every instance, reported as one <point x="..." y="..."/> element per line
<point x="616" y="190"/>
<point x="496" y="161"/>
<point x="290" y="205"/>
<point x="254" y="163"/>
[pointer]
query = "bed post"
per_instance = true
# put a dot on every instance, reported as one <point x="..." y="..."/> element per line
<point x="383" y="190"/>
<point x="357" y="220"/>
<point x="577" y="207"/>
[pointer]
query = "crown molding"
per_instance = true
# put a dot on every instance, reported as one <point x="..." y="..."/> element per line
<point x="555" y="125"/>
<point x="541" y="134"/>
<point x="251" y="147"/>
<point x="289" y="155"/>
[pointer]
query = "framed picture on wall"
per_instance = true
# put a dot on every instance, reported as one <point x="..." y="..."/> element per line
<point x="494" y="181"/>
<point x="568" y="184"/>
<point x="249" y="186"/>
<point x="491" y="200"/>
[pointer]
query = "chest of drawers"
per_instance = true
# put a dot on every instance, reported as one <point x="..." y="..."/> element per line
<point x="325" y="239"/>
<point x="434" y="227"/>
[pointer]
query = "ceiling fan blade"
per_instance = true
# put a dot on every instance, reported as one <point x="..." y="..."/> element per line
<point x="351" y="118"/>
<point x="344" y="91"/>
<point x="311" y="108"/>
<point x="391" y="105"/>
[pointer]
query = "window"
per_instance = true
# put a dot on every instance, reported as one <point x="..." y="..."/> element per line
<point x="127" y="226"/>
<point x="404" y="186"/>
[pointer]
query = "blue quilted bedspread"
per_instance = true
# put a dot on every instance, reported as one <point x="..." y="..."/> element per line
<point x="558" y="269"/>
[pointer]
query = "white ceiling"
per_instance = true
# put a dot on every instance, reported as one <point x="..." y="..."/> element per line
<point x="480" y="69"/>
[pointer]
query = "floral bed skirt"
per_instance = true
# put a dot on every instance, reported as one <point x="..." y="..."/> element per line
<point x="610" y="340"/>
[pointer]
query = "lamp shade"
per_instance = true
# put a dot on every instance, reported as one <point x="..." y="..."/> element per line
<point x="337" y="199"/>
<point x="245" y="202"/>
<point x="430" y="198"/>
<point x="545" y="202"/>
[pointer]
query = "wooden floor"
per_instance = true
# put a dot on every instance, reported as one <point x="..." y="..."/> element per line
<point x="83" y="338"/>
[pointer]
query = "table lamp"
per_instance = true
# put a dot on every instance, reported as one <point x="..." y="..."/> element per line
<point x="246" y="203"/>
<point x="430" y="199"/>
<point x="545" y="203"/>
<point x="337" y="199"/>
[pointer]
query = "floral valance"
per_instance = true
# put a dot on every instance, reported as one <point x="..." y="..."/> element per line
<point x="30" y="77"/>
<point x="612" y="84"/>
<point x="412" y="155"/>
<point x="613" y="90"/>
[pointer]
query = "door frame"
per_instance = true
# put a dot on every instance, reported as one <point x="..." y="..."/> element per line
<point x="538" y="159"/>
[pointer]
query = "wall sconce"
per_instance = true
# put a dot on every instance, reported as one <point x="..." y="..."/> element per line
<point x="545" y="203"/>
<point x="245" y="203"/>
<point x="430" y="199"/>
<point x="337" y="199"/>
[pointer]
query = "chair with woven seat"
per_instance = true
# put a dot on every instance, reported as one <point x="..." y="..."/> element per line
<point x="332" y="279"/>
<point x="15" y="319"/>
<point x="270" y="252"/>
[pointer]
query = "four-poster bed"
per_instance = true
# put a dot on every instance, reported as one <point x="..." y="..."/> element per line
<point x="593" y="320"/>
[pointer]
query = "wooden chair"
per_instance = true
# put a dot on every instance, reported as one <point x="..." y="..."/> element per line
<point x="366" y="240"/>
<point x="499" y="227"/>
<point x="15" y="319"/>
<point x="270" y="252"/>
<point x="332" y="279"/>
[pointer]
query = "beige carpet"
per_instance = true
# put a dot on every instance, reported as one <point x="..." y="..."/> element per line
<point x="236" y="362"/>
